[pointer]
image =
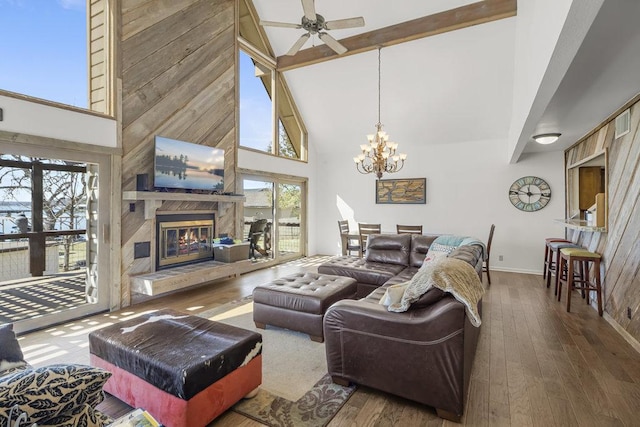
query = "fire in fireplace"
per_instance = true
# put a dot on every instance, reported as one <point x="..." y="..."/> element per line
<point x="184" y="238"/>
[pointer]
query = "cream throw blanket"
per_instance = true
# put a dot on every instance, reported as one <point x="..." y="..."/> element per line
<point x="451" y="275"/>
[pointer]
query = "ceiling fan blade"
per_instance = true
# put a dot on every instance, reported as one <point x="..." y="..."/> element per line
<point x="332" y="43"/>
<point x="279" y="24"/>
<point x="339" y="24"/>
<point x="309" y="9"/>
<point x="298" y="44"/>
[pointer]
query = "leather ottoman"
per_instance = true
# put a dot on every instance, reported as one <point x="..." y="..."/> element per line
<point x="299" y="301"/>
<point x="185" y="370"/>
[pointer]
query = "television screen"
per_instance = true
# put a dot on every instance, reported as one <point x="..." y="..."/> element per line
<point x="180" y="164"/>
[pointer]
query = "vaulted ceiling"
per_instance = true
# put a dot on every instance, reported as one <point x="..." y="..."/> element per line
<point x="456" y="85"/>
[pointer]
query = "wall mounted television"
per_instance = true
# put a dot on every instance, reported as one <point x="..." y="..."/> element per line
<point x="184" y="165"/>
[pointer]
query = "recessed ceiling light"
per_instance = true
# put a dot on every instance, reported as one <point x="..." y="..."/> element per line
<point x="546" y="138"/>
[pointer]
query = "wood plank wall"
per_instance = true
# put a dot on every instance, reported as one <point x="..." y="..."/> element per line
<point x="620" y="246"/>
<point x="98" y="54"/>
<point x="178" y="81"/>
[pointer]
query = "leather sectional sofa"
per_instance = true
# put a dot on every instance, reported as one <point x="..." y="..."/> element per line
<point x="424" y="354"/>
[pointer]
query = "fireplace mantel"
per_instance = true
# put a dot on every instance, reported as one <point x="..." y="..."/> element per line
<point x="154" y="199"/>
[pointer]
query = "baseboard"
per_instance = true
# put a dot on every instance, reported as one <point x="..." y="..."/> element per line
<point x="516" y="270"/>
<point x="626" y="335"/>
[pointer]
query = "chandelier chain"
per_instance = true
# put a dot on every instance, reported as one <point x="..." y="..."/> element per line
<point x="379" y="79"/>
<point x="379" y="155"/>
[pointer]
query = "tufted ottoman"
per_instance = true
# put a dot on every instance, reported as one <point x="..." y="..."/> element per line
<point x="299" y="301"/>
<point x="185" y="370"/>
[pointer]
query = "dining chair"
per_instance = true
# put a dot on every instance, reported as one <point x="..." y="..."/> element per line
<point x="365" y="229"/>
<point x="350" y="242"/>
<point x="485" y="264"/>
<point x="408" y="229"/>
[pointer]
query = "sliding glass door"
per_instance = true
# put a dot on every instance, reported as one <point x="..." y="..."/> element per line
<point x="53" y="264"/>
<point x="278" y="204"/>
<point x="289" y="214"/>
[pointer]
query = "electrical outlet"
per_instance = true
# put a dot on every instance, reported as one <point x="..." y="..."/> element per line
<point x="629" y="312"/>
<point x="501" y="258"/>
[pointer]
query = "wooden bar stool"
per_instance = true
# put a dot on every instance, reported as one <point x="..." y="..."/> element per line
<point x="545" y="268"/>
<point x="554" y="257"/>
<point x="568" y="258"/>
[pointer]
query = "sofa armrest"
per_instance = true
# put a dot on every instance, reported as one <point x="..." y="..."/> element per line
<point x="421" y="354"/>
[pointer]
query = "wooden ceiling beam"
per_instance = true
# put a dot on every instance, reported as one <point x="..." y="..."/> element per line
<point x="449" y="20"/>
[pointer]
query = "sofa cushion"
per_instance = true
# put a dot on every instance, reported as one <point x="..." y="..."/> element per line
<point x="472" y="254"/>
<point x="10" y="353"/>
<point x="419" y="247"/>
<point x="403" y="276"/>
<point x="389" y="248"/>
<point x="373" y="273"/>
<point x="51" y="391"/>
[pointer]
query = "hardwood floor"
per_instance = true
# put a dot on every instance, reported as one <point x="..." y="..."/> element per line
<point x="536" y="364"/>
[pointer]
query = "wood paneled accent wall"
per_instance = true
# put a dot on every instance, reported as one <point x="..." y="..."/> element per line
<point x="178" y="80"/>
<point x="620" y="246"/>
<point x="98" y="55"/>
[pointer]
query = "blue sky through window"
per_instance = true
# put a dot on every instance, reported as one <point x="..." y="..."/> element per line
<point x="43" y="49"/>
<point x="255" y="108"/>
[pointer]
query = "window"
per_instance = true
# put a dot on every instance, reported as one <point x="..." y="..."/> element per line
<point x="262" y="87"/>
<point x="278" y="201"/>
<point x="43" y="46"/>
<point x="53" y="265"/>
<point x="255" y="105"/>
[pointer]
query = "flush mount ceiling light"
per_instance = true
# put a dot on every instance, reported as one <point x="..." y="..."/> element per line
<point x="546" y="138"/>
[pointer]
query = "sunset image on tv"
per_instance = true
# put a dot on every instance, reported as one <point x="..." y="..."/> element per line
<point x="180" y="164"/>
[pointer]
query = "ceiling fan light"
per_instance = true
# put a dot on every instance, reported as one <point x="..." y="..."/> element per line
<point x="546" y="138"/>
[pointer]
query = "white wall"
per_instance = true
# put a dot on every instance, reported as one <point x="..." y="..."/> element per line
<point x="467" y="191"/>
<point x="256" y="161"/>
<point x="33" y="118"/>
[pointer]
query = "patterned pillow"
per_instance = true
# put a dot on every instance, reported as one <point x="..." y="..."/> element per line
<point x="442" y="248"/>
<point x="10" y="353"/>
<point x="82" y="415"/>
<point x="51" y="391"/>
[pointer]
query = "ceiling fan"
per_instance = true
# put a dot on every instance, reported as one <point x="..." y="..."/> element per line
<point x="314" y="23"/>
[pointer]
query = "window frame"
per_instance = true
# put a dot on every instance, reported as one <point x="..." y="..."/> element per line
<point x="277" y="79"/>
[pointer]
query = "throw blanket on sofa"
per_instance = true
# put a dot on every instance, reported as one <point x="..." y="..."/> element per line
<point x="453" y="240"/>
<point x="450" y="275"/>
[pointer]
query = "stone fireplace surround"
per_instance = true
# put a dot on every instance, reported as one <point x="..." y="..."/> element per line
<point x="146" y="278"/>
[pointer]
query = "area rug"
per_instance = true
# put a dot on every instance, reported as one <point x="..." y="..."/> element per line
<point x="296" y="389"/>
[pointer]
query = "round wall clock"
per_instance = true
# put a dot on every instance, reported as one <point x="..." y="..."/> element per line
<point x="530" y="193"/>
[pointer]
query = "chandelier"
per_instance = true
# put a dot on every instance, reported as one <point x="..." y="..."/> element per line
<point x="379" y="155"/>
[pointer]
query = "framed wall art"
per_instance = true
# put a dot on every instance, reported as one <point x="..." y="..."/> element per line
<point x="399" y="191"/>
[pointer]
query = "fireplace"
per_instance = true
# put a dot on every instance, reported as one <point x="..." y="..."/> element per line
<point x="184" y="238"/>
